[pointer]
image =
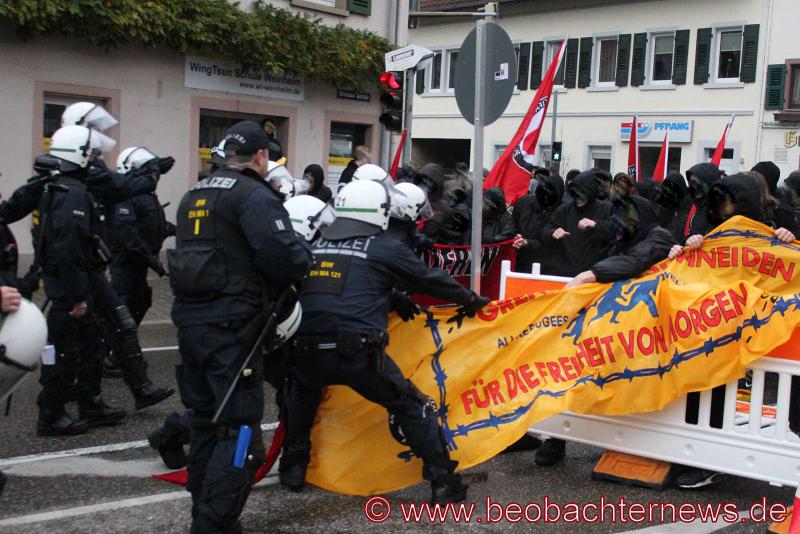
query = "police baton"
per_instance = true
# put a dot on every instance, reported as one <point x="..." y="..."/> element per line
<point x="268" y="328"/>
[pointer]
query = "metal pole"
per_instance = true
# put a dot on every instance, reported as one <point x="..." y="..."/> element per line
<point x="554" y="165"/>
<point x="477" y="155"/>
<point x="410" y="88"/>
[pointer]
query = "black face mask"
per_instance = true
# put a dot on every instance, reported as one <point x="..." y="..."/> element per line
<point x="697" y="188"/>
<point x="625" y="220"/>
<point x="666" y="195"/>
<point x="718" y="197"/>
<point x="579" y="195"/>
<point x="429" y="185"/>
<point x="546" y="195"/>
<point x="603" y="188"/>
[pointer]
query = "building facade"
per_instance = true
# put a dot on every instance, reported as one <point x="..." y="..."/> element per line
<point x="181" y="105"/>
<point x="681" y="65"/>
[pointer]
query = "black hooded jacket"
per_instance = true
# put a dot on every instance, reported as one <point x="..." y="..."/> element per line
<point x="640" y="246"/>
<point x="531" y="213"/>
<point x="746" y="196"/>
<point x="318" y="188"/>
<point x="791" y="193"/>
<point x="673" y="197"/>
<point x="498" y="225"/>
<point x="430" y="177"/>
<point x="784" y="215"/>
<point x="582" y="248"/>
<point x="707" y="174"/>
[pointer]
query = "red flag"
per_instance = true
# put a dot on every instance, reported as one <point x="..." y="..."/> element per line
<point x="396" y="162"/>
<point x="717" y="157"/>
<point x="512" y="172"/>
<point x="661" y="167"/>
<point x="633" y="150"/>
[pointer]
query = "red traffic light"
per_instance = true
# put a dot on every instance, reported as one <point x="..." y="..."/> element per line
<point x="389" y="80"/>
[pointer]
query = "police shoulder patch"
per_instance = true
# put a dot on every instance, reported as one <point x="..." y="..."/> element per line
<point x="124" y="211"/>
<point x="279" y="225"/>
<point x="78" y="213"/>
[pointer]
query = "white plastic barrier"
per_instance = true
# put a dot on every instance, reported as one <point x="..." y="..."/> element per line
<point x="748" y="445"/>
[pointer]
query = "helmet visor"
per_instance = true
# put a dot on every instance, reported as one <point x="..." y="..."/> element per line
<point x="279" y="174"/>
<point x="102" y="142"/>
<point x="325" y="217"/>
<point x="397" y="199"/>
<point x="99" y="119"/>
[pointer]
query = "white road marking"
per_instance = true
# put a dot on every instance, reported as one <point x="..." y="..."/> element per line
<point x="108" y="506"/>
<point x="160" y="349"/>
<point x="695" y="527"/>
<point x="99" y="449"/>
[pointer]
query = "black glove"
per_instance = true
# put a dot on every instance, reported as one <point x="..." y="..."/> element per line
<point x="404" y="306"/>
<point x="170" y="229"/>
<point x="155" y="264"/>
<point x="475" y="303"/>
<point x="165" y="164"/>
<point x="422" y="243"/>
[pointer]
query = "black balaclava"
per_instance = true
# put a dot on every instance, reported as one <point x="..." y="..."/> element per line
<point x="625" y="219"/>
<point x="670" y="193"/>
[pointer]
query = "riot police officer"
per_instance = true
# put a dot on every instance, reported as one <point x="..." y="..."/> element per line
<point x="65" y="250"/>
<point x="342" y="337"/>
<point x="138" y="228"/>
<point x="235" y="251"/>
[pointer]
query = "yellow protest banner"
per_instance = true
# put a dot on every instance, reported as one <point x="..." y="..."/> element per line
<point x="612" y="349"/>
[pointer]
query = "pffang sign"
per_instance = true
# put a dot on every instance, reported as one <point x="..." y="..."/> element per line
<point x="347" y="94"/>
<point x="653" y="131"/>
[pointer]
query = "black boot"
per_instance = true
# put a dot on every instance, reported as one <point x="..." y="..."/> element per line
<point x="525" y="443"/>
<point x="98" y="413"/>
<point x="169" y="440"/>
<point x="448" y="488"/>
<point x="551" y="452"/>
<point x="293" y="477"/>
<point x="63" y="425"/>
<point x="150" y="394"/>
<point x="2" y="482"/>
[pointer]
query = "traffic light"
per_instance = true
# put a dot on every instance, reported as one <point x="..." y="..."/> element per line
<point x="393" y="101"/>
<point x="556" y="153"/>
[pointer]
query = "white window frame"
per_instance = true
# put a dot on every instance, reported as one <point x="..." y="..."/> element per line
<point x="549" y="44"/>
<point x="499" y="148"/>
<point x="540" y="153"/>
<point x="337" y="7"/>
<point x="589" y="147"/>
<point x="716" y="42"/>
<point x="598" y="38"/>
<point x="709" y="144"/>
<point x="444" y="80"/>
<point x="446" y="72"/>
<point x="651" y="55"/>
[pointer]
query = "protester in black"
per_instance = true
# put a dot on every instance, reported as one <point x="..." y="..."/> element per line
<point x="531" y="213"/>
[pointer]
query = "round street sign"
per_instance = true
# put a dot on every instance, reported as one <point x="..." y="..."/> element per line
<point x="500" y="74"/>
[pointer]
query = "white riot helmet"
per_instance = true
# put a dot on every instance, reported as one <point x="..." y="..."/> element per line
<point x="23" y="335"/>
<point x="309" y="215"/>
<point x="417" y="206"/>
<point x="288" y="325"/>
<point x="371" y="172"/>
<point x="281" y="180"/>
<point x="363" y="208"/>
<point x="74" y="145"/>
<point x="133" y="158"/>
<point x="94" y="117"/>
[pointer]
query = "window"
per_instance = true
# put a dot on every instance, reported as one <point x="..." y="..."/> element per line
<point x="498" y="151"/>
<point x="552" y="51"/>
<point x="606" y="62"/>
<point x="729" y="54"/>
<point x="544" y="155"/>
<point x="648" y="159"/>
<point x="661" y="59"/>
<point x="599" y="156"/>
<point x="436" y="73"/>
<point x="452" y="56"/>
<point x="794" y="87"/>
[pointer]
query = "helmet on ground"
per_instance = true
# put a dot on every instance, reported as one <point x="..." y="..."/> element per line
<point x="309" y="215"/>
<point x="363" y="208"/>
<point x="23" y="335"/>
<point x="416" y="206"/>
<point x="74" y="145"/>
<point x="133" y="158"/>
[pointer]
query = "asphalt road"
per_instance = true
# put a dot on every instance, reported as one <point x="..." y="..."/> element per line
<point x="100" y="482"/>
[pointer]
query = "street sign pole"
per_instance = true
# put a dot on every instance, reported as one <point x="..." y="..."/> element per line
<point x="477" y="155"/>
<point x="408" y="112"/>
<point x="554" y="165"/>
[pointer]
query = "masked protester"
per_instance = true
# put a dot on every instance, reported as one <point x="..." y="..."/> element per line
<point x="498" y="226"/>
<point x="581" y="225"/>
<point x="639" y="243"/>
<point x="782" y="214"/>
<point x="456" y="227"/>
<point x="430" y="178"/>
<point x="791" y="193"/>
<point x="316" y="178"/>
<point x="700" y="177"/>
<point x="531" y="213"/>
<point x="604" y="182"/>
<point x="672" y="197"/>
<point x="571" y="175"/>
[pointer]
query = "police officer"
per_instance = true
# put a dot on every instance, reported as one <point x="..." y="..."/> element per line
<point x="65" y="250"/>
<point x="235" y="251"/>
<point x="342" y="337"/>
<point x="139" y="227"/>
